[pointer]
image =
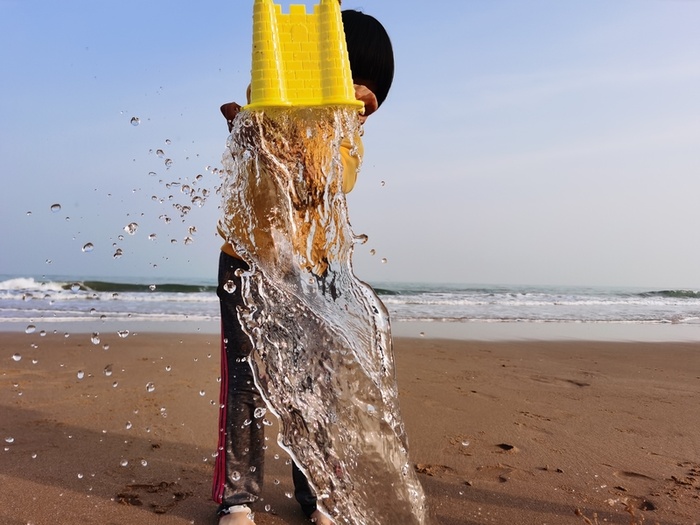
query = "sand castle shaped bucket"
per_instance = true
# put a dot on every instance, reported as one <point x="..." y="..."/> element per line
<point x="300" y="59"/>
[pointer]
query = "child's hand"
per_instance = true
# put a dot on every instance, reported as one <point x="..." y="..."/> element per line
<point x="229" y="111"/>
<point x="364" y="94"/>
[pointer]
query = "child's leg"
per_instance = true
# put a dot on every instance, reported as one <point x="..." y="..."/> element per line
<point x="302" y="491"/>
<point x="306" y="498"/>
<point x="238" y="473"/>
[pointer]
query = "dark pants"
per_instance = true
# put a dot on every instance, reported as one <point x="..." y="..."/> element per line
<point x="238" y="473"/>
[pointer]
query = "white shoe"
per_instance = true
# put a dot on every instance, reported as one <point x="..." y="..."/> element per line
<point x="237" y="515"/>
<point x="318" y="518"/>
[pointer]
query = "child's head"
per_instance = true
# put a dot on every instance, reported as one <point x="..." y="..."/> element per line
<point x="370" y="52"/>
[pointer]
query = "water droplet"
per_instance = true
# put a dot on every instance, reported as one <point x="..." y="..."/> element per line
<point x="115" y="384"/>
<point x="152" y="236"/>
<point x="168" y="368"/>
<point x="88" y="247"/>
<point x="95" y="338"/>
<point x="202" y="393"/>
<point x="135" y="121"/>
<point x="160" y="153"/>
<point x="9" y="439"/>
<point x="124" y="462"/>
<point x="259" y="412"/>
<point x="55" y="208"/>
<point x="80" y="374"/>
<point x="17" y="357"/>
<point x="123" y="334"/>
<point x="34" y="455"/>
<point x="372" y="251"/>
<point x="152" y="173"/>
<point x="288" y="494"/>
<point x="29" y="213"/>
<point x="30" y="329"/>
<point x="465" y="443"/>
<point x="131" y="228"/>
<point x="152" y="287"/>
<point x="168" y="163"/>
<point x="187" y="241"/>
<point x="268" y="507"/>
<point x="80" y="476"/>
<point x="150" y="387"/>
<point x="144" y="463"/>
<point x="107" y="370"/>
<point x="235" y="476"/>
<point x="128" y="425"/>
<point x="230" y="286"/>
<point x="75" y="287"/>
<point x="384" y="261"/>
<point x="168" y="142"/>
<point x="383" y="183"/>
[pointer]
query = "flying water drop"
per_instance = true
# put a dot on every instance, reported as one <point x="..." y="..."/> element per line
<point x="131" y="228"/>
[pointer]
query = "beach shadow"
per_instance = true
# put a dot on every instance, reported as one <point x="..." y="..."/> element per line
<point x="131" y="473"/>
<point x="465" y="505"/>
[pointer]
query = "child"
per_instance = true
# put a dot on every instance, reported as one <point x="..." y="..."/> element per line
<point x="239" y="466"/>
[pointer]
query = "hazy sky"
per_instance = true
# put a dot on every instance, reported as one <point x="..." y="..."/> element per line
<point x="526" y="142"/>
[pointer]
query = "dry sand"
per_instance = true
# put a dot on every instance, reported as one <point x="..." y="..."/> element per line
<point x="500" y="432"/>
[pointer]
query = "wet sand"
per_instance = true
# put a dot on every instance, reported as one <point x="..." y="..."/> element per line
<point x="501" y="432"/>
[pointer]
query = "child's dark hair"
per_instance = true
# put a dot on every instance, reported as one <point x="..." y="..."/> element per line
<point x="370" y="51"/>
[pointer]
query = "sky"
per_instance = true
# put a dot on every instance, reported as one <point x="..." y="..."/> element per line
<point x="533" y="142"/>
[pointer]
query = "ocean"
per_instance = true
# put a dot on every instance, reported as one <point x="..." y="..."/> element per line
<point x="33" y="303"/>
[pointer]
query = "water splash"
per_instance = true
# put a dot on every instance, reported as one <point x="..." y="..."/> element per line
<point x="323" y="356"/>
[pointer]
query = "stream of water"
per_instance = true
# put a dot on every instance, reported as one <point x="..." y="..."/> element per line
<point x="323" y="355"/>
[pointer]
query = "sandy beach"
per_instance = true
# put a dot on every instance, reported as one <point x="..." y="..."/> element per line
<point x="124" y="431"/>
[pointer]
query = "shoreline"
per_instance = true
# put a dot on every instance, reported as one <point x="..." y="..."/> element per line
<point x="500" y="432"/>
<point x="463" y="331"/>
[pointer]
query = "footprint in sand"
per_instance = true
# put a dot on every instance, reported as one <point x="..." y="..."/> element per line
<point x="559" y="381"/>
<point x="160" y="497"/>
